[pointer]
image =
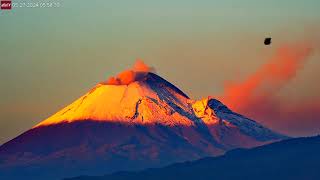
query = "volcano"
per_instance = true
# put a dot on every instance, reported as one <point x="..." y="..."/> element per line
<point x="142" y="123"/>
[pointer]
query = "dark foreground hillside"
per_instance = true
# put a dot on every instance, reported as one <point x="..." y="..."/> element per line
<point x="293" y="159"/>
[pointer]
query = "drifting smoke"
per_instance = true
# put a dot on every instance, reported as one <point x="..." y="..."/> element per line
<point x="138" y="71"/>
<point x="257" y="95"/>
<point x="269" y="79"/>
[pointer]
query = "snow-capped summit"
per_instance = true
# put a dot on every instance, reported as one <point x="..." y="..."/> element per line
<point x="148" y="100"/>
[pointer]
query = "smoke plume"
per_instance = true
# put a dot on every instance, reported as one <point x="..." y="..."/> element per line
<point x="137" y="72"/>
<point x="257" y="97"/>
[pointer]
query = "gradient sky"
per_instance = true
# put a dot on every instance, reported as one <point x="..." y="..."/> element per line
<point x="51" y="56"/>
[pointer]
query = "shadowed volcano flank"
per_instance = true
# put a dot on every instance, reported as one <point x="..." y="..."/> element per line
<point x="152" y="78"/>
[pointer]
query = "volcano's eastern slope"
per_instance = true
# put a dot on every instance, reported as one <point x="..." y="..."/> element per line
<point x="146" y="123"/>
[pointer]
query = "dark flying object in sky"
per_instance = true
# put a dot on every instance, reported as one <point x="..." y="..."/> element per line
<point x="267" y="41"/>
